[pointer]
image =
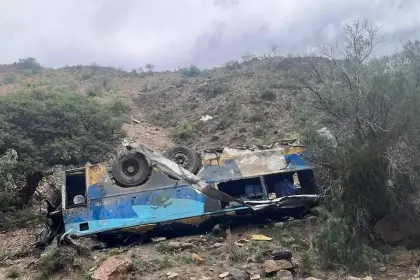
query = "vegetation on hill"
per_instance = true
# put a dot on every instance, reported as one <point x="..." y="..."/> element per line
<point x="44" y="129"/>
<point x="370" y="105"/>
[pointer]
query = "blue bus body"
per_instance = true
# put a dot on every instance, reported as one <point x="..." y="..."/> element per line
<point x="163" y="199"/>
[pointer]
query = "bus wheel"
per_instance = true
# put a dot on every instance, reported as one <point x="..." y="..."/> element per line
<point x="130" y="169"/>
<point x="185" y="157"/>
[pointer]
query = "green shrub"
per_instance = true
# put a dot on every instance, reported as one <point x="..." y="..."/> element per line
<point x="143" y="265"/>
<point x="185" y="133"/>
<point x="54" y="261"/>
<point x="48" y="129"/>
<point x="86" y="73"/>
<point x="9" y="78"/>
<point x="268" y="95"/>
<point x="214" y="88"/>
<point x="191" y="71"/>
<point x="341" y="246"/>
<point x="232" y="65"/>
<point x="13" y="273"/>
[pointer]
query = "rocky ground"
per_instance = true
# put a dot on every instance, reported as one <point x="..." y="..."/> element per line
<point x="274" y="250"/>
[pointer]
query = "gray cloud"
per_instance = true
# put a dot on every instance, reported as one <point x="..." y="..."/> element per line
<point x="173" y="33"/>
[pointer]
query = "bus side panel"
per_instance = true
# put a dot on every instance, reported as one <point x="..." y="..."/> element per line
<point x="128" y="210"/>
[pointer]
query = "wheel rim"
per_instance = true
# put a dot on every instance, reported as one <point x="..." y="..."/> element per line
<point x="181" y="159"/>
<point x="130" y="167"/>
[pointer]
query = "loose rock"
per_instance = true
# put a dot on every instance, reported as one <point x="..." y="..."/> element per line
<point x="255" y="277"/>
<point x="114" y="268"/>
<point x="388" y="230"/>
<point x="174" y="245"/>
<point x="279" y="225"/>
<point x="288" y="240"/>
<point x="400" y="257"/>
<point x="187" y="245"/>
<point x="237" y="274"/>
<point x="271" y="266"/>
<point x="353" y="278"/>
<point x="312" y="278"/>
<point x="173" y="275"/>
<point x="217" y="245"/>
<point x="284" y="275"/>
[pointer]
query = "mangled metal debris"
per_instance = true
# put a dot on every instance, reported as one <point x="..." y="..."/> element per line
<point x="144" y="189"/>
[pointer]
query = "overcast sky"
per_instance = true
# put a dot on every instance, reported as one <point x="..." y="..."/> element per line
<point x="174" y="33"/>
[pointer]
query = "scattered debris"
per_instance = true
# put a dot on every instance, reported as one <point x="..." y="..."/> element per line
<point x="206" y="118"/>
<point x="199" y="259"/>
<point x="382" y="269"/>
<point x="158" y="239"/>
<point x="172" y="275"/>
<point x="260" y="237"/>
<point x="223" y="275"/>
<point x="136" y="121"/>
<point x="114" y="268"/>
<point x="282" y="255"/>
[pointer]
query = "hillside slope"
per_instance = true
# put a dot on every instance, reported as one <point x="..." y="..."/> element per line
<point x="249" y="102"/>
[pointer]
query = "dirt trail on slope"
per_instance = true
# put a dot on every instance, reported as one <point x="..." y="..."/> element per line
<point x="156" y="138"/>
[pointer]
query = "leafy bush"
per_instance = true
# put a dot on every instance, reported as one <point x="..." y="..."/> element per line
<point x="268" y="95"/>
<point x="342" y="247"/>
<point x="149" y="67"/>
<point x="54" y="261"/>
<point x="214" y="88"/>
<point x="232" y="65"/>
<point x="10" y="78"/>
<point x="185" y="133"/>
<point x="86" y="73"/>
<point x="55" y="128"/>
<point x="13" y="273"/>
<point x="191" y="71"/>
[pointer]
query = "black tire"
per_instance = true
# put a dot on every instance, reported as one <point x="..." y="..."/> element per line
<point x="130" y="169"/>
<point x="185" y="157"/>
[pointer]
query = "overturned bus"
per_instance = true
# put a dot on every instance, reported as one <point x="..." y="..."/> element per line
<point x="144" y="189"/>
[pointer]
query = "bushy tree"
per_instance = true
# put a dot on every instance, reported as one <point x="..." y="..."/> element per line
<point x="191" y="71"/>
<point x="29" y="64"/>
<point x="371" y="108"/>
<point x="149" y="67"/>
<point x="55" y="128"/>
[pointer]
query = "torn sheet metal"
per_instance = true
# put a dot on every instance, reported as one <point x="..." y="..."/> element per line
<point x="256" y="163"/>
<point x="175" y="170"/>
